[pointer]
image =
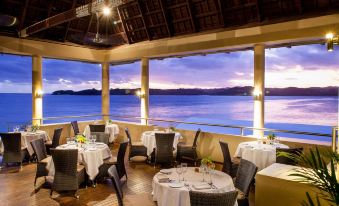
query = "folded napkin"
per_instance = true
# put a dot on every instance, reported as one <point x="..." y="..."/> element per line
<point x="201" y="186"/>
<point x="163" y="178"/>
<point x="166" y="171"/>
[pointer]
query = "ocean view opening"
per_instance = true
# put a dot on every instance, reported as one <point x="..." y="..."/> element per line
<point x="213" y="89"/>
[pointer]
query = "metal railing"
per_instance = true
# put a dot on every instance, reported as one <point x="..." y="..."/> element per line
<point x="241" y="128"/>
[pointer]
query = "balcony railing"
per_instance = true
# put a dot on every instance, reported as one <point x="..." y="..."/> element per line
<point x="241" y="128"/>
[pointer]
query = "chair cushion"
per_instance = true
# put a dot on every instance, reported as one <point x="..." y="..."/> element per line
<point x="138" y="159"/>
<point x="80" y="167"/>
<point x="241" y="195"/>
<point x="112" y="160"/>
<point x="48" y="143"/>
<point x="137" y="144"/>
<point x="46" y="160"/>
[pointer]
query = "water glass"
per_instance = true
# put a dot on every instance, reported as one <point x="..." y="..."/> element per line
<point x="68" y="141"/>
<point x="184" y="170"/>
<point x="178" y="169"/>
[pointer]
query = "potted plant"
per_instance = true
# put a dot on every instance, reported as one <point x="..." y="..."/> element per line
<point x="315" y="170"/>
<point x="270" y="138"/>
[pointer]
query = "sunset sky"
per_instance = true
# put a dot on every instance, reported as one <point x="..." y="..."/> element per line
<point x="302" y="66"/>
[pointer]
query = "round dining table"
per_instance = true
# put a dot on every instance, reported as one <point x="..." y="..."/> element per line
<point x="90" y="155"/>
<point x="28" y="137"/>
<point x="148" y="140"/>
<point x="111" y="129"/>
<point x="174" y="193"/>
<point x="262" y="155"/>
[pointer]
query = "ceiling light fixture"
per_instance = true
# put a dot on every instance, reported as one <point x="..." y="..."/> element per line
<point x="106" y="11"/>
<point x="331" y="39"/>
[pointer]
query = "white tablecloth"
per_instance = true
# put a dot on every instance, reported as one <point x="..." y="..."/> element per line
<point x="262" y="155"/>
<point x="168" y="196"/>
<point x="148" y="140"/>
<point x="111" y="129"/>
<point x="91" y="158"/>
<point x="26" y="138"/>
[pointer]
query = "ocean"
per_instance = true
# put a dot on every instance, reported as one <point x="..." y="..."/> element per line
<point x="299" y="113"/>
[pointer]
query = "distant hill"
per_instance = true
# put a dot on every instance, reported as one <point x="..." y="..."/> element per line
<point x="233" y="91"/>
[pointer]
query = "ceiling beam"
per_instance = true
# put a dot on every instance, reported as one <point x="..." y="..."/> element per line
<point x="190" y="12"/>
<point x="164" y="13"/>
<point x="69" y="23"/>
<point x="23" y="15"/>
<point x="88" y="26"/>
<point x="143" y="20"/>
<point x="272" y="35"/>
<point x="123" y="22"/>
<point x="20" y="46"/>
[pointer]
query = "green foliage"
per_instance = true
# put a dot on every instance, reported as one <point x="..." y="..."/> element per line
<point x="314" y="171"/>
<point x="271" y="136"/>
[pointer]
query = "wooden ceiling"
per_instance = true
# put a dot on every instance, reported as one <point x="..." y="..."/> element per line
<point x="146" y="20"/>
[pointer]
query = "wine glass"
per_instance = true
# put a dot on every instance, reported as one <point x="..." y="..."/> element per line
<point x="179" y="171"/>
<point x="184" y="170"/>
<point x="210" y="169"/>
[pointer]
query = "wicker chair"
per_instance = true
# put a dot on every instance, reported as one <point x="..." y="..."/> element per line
<point x="97" y="127"/>
<point x="164" y="148"/>
<point x="113" y="173"/>
<point x="39" y="148"/>
<point x="243" y="180"/>
<point x="101" y="137"/>
<point x="128" y="200"/>
<point x="68" y="174"/>
<point x="188" y="152"/>
<point x="213" y="199"/>
<point x="55" y="141"/>
<point x="136" y="148"/>
<point x="118" y="161"/>
<point x="13" y="153"/>
<point x="291" y="151"/>
<point x="229" y="167"/>
<point x="75" y="127"/>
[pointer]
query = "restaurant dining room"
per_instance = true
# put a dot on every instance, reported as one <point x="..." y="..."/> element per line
<point x="169" y="102"/>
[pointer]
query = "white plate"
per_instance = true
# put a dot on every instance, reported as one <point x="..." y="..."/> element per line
<point x="176" y="184"/>
<point x="99" y="143"/>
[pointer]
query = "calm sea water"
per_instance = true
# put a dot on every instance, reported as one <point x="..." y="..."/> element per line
<point x="312" y="114"/>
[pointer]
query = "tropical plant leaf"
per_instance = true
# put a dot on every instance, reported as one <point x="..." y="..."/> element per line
<point x="315" y="171"/>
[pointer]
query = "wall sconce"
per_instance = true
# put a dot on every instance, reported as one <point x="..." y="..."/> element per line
<point x="39" y="94"/>
<point x="331" y="39"/>
<point x="256" y="95"/>
<point x="140" y="94"/>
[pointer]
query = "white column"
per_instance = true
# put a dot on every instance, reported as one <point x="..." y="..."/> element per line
<point x="259" y="89"/>
<point x="37" y="92"/>
<point x="105" y="93"/>
<point x="144" y="90"/>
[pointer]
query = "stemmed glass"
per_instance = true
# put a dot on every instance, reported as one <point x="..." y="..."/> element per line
<point x="179" y="171"/>
<point x="210" y="169"/>
<point x="184" y="170"/>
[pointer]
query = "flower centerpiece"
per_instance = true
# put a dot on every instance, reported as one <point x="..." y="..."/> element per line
<point x="35" y="127"/>
<point x="270" y="138"/>
<point x="109" y="121"/>
<point x="80" y="138"/>
<point x="208" y="163"/>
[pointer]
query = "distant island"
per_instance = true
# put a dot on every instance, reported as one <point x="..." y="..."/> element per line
<point x="233" y="91"/>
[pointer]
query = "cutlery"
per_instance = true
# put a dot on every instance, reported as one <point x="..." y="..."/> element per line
<point x="187" y="186"/>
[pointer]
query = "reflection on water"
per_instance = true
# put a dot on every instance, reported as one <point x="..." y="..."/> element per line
<point x="292" y="110"/>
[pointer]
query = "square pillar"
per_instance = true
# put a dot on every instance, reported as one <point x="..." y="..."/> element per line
<point x="259" y="90"/>
<point x="144" y="90"/>
<point x="37" y="92"/>
<point x="105" y="92"/>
